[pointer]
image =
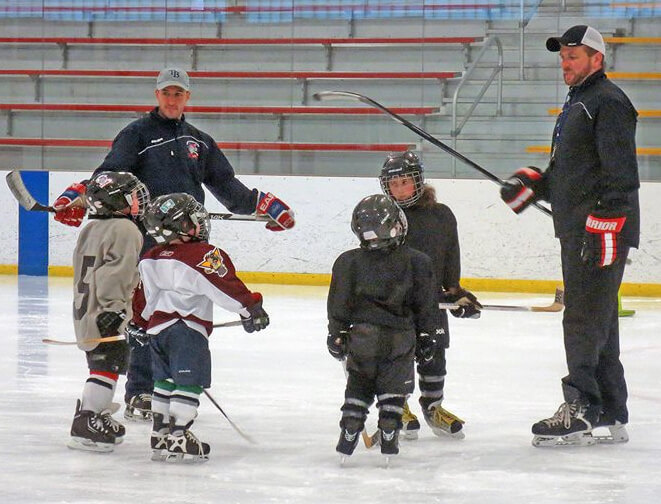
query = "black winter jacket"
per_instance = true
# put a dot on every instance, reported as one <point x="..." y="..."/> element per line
<point x="593" y="159"/>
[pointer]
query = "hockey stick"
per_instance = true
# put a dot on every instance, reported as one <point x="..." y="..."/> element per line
<point x="338" y="95"/>
<point x="556" y="306"/>
<point x="27" y="201"/>
<point x="234" y="426"/>
<point x="121" y="337"/>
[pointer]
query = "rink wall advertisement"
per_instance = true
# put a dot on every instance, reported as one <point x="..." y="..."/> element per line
<point x="495" y="243"/>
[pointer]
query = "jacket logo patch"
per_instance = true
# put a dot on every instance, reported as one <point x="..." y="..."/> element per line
<point x="193" y="149"/>
<point x="213" y="263"/>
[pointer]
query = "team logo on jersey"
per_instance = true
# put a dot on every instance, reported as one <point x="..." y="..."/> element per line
<point x="193" y="149"/>
<point x="213" y="263"/>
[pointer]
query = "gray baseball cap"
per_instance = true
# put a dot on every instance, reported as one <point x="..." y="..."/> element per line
<point x="173" y="77"/>
<point x="578" y="35"/>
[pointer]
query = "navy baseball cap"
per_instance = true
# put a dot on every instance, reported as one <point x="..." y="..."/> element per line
<point x="576" y="36"/>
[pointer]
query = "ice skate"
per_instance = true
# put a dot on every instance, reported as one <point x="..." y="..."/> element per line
<point x="443" y="423"/>
<point x="183" y="446"/>
<point x="89" y="433"/>
<point x="159" y="438"/>
<point x="349" y="437"/>
<point x="410" y="424"/>
<point x="571" y="425"/>
<point x="113" y="426"/>
<point x="138" y="408"/>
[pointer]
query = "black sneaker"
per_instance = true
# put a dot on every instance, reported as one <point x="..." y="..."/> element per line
<point x="183" y="446"/>
<point x="138" y="408"/>
<point x="89" y="433"/>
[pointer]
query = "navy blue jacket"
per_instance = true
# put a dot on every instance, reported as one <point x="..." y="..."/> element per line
<point x="170" y="155"/>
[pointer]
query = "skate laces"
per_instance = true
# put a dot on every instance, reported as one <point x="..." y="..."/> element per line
<point x="563" y="416"/>
<point x="97" y="423"/>
<point x="443" y="416"/>
<point x="109" y="422"/>
<point x="407" y="415"/>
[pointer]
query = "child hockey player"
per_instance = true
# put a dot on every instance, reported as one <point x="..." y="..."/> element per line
<point x="182" y="278"/>
<point x="432" y="230"/>
<point x="381" y="314"/>
<point x="105" y="274"/>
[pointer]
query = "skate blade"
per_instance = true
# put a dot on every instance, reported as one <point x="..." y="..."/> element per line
<point x="410" y="435"/>
<point x="181" y="458"/>
<point x="575" y="439"/>
<point x="77" y="443"/>
<point x="442" y="433"/>
<point x="618" y="434"/>
<point x="119" y="440"/>
<point x="137" y="416"/>
<point x="159" y="455"/>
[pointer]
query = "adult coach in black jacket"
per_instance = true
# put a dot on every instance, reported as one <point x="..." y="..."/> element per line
<point x="592" y="183"/>
<point x="169" y="155"/>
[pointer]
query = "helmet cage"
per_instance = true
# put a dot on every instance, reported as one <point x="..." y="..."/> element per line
<point x="111" y="193"/>
<point x="379" y="223"/>
<point x="177" y="215"/>
<point x="403" y="165"/>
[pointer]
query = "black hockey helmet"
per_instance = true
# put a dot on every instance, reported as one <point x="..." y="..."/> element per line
<point x="111" y="193"/>
<point x="403" y="164"/>
<point x="379" y="222"/>
<point x="172" y="216"/>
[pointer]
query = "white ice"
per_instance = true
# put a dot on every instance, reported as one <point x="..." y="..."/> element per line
<point x="282" y="388"/>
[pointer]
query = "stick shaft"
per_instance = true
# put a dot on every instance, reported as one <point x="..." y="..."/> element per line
<point x="234" y="426"/>
<point x="420" y="132"/>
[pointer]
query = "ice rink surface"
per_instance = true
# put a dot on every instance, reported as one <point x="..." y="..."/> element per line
<point x="282" y="388"/>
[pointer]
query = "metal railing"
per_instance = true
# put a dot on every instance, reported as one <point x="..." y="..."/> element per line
<point x="497" y="71"/>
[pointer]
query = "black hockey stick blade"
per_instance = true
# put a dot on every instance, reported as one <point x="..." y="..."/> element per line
<point x="556" y="306"/>
<point x="22" y="195"/>
<point x="234" y="426"/>
<point x="339" y="95"/>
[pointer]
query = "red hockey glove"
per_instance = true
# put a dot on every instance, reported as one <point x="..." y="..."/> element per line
<point x="518" y="191"/>
<point x="258" y="319"/>
<point x="274" y="207"/>
<point x="602" y="246"/>
<point x="69" y="208"/>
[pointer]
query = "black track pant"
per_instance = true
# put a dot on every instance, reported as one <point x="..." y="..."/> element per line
<point x="591" y="334"/>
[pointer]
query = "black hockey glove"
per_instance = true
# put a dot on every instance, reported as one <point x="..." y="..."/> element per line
<point x="337" y="345"/>
<point x="468" y="305"/>
<point x="425" y="348"/>
<point x="258" y="319"/>
<point x="108" y="322"/>
<point x="518" y="191"/>
<point x="136" y="335"/>
<point x="602" y="245"/>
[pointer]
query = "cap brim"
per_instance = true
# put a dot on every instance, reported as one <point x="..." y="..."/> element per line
<point x="165" y="84"/>
<point x="553" y="44"/>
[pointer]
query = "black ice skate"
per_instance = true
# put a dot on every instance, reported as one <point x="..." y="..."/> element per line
<point x="159" y="438"/>
<point x="89" y="433"/>
<point x="183" y="446"/>
<point x="570" y="425"/>
<point x="389" y="442"/>
<point x="113" y="426"/>
<point x="138" y="408"/>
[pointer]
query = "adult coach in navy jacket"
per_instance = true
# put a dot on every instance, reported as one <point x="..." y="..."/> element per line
<point x="592" y="183"/>
<point x="168" y="155"/>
